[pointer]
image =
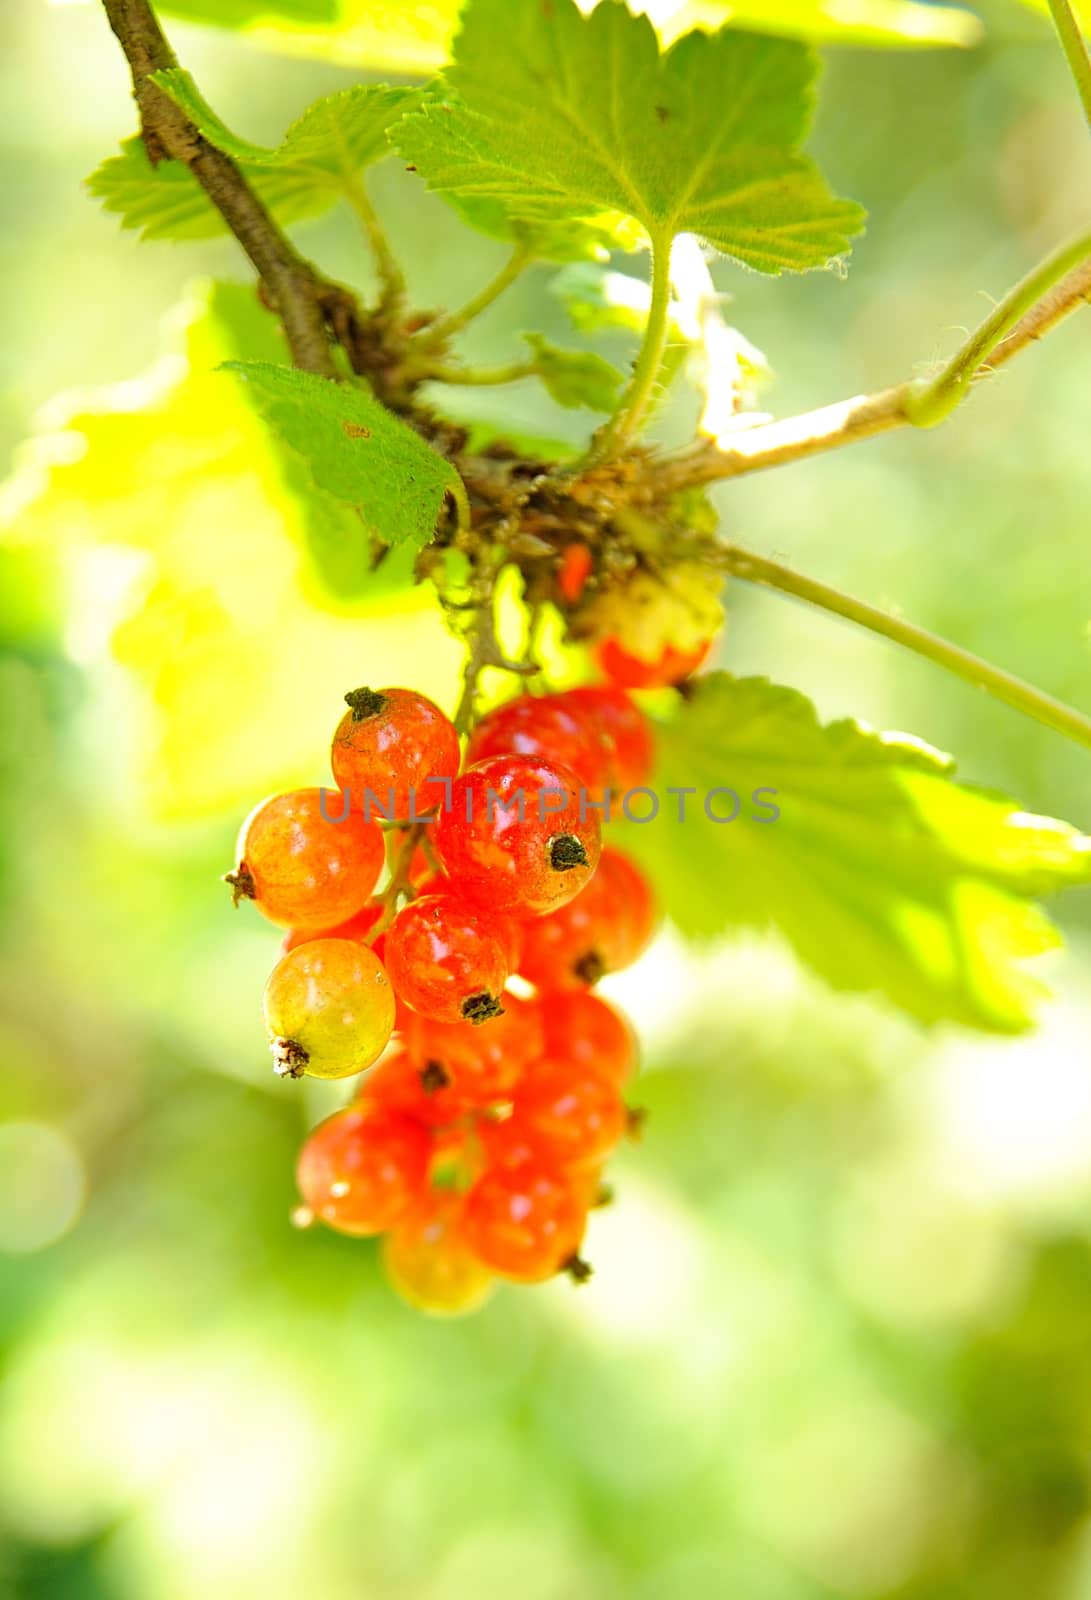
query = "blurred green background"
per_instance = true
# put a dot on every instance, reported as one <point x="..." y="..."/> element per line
<point x="839" y="1339"/>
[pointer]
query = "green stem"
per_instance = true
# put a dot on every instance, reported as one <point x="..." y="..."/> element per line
<point x="934" y="399"/>
<point x="1001" y="685"/>
<point x="627" y="420"/>
<point x="457" y="491"/>
<point x="511" y="373"/>
<point x="440" y="331"/>
<point x="390" y="273"/>
<point x="1075" y="48"/>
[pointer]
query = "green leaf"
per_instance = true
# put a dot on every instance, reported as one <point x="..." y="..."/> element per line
<point x="332" y="138"/>
<point x="167" y="202"/>
<point x="883" y="873"/>
<point x="388" y="35"/>
<point x="354" y="449"/>
<point x="905" y="23"/>
<point x="580" y="119"/>
<point x="303" y="177"/>
<point x="229" y="588"/>
<point x="243" y="13"/>
<point x="575" y="377"/>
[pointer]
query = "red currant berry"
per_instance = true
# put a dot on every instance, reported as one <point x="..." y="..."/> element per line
<point x="414" y="1087"/>
<point x="357" y="927"/>
<point x="551" y="728"/>
<point x="575" y="1117"/>
<point x="447" y="960"/>
<point x="518" y="838"/>
<point x="301" y="870"/>
<point x="573" y="571"/>
<point x="605" y="928"/>
<point x="633" y="672"/>
<point x="623" y="728"/>
<point x="483" y="1064"/>
<point x="582" y="1029"/>
<point x="362" y="1169"/>
<point x="329" y="1009"/>
<point x="388" y="746"/>
<point x="429" y="1262"/>
<point x="526" y="1221"/>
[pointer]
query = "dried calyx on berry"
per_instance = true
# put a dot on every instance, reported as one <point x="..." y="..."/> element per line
<point x="566" y="852"/>
<point x="365" y="703"/>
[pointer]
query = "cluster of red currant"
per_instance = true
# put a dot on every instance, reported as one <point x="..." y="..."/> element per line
<point x="492" y="1086"/>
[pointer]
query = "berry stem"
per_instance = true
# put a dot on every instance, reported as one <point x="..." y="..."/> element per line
<point x="391" y="277"/>
<point x="484" y="645"/>
<point x="399" y="880"/>
<point x="438" y="332"/>
<point x="482" y="377"/>
<point x="627" y="420"/>
<point x="994" y="681"/>
<point x="1075" y="48"/>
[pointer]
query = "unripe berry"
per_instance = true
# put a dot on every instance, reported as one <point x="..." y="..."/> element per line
<point x="429" y="1262"/>
<point x="329" y="1009"/>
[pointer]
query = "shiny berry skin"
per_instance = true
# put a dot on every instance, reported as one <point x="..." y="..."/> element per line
<point x="329" y="1009"/>
<point x="429" y="1263"/>
<point x="623" y="728"/>
<point x="604" y="929"/>
<point x="590" y="1034"/>
<point x="363" y="1169"/>
<point x="550" y="727"/>
<point x="511" y="843"/>
<point x="483" y="1064"/>
<point x="525" y="1221"/>
<point x="574" y="1116"/>
<point x="394" y="740"/>
<point x="670" y="666"/>
<point x="415" y="1087"/>
<point x="301" y="870"/>
<point x="356" y="927"/>
<point x="448" y="960"/>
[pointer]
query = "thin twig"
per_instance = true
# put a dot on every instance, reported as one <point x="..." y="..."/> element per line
<point x="306" y="303"/>
<point x="399" y="884"/>
<point x="1075" y="49"/>
<point x="392" y="292"/>
<point x="994" y="681"/>
<point x="774" y="444"/>
<point x="934" y="400"/>
<point x="439" y="331"/>
<point x="511" y="372"/>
